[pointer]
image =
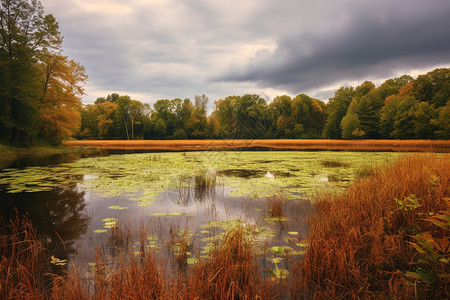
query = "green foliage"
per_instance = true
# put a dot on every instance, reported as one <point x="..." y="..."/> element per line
<point x="408" y="203"/>
<point x="433" y="252"/>
<point x="337" y="109"/>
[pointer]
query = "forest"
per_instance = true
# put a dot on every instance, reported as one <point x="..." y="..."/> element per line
<point x="399" y="108"/>
<point x="41" y="94"/>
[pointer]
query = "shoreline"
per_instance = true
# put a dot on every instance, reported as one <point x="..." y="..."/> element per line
<point x="441" y="146"/>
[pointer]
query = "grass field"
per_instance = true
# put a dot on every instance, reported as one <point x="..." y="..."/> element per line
<point x="284" y="144"/>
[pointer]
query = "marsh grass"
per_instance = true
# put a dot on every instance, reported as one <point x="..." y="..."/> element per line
<point x="361" y="242"/>
<point x="275" y="207"/>
<point x="230" y="272"/>
<point x="24" y="262"/>
<point x="200" y="187"/>
<point x="285" y="144"/>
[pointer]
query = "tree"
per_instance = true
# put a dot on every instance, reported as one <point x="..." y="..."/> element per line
<point x="424" y="128"/>
<point x="105" y="118"/>
<point x="442" y="122"/>
<point x="199" y="120"/>
<point x="280" y="111"/>
<point x="26" y="34"/>
<point x="122" y="117"/>
<point x="351" y="126"/>
<point x="60" y="104"/>
<point x="360" y="120"/>
<point x="337" y="109"/>
<point x="89" y="121"/>
<point x="310" y="113"/>
<point x="225" y="114"/>
<point x="433" y="87"/>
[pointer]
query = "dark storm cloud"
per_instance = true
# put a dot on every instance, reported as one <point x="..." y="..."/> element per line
<point x="152" y="49"/>
<point x="375" y="41"/>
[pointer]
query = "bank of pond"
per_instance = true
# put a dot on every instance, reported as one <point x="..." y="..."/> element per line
<point x="226" y="225"/>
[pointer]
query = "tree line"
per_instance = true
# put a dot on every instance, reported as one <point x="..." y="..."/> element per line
<point x="40" y="89"/>
<point x="400" y="108"/>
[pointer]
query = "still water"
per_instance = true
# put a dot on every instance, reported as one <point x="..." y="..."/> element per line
<point x="81" y="203"/>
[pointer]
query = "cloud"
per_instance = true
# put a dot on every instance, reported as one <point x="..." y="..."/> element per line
<point x="375" y="41"/>
<point x="179" y="48"/>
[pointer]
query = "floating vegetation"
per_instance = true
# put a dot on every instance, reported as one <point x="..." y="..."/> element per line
<point x="58" y="262"/>
<point x="118" y="207"/>
<point x="334" y="164"/>
<point x="249" y="174"/>
<point x="110" y="222"/>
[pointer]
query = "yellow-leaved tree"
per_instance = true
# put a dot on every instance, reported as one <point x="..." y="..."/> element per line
<point x="60" y="104"/>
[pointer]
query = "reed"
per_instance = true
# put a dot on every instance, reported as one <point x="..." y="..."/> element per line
<point x="230" y="273"/>
<point x="24" y="262"/>
<point x="366" y="242"/>
<point x="275" y="207"/>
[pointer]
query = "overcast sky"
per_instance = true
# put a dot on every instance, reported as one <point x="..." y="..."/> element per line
<point x="155" y="49"/>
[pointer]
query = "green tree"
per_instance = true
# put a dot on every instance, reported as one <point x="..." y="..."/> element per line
<point x="403" y="127"/>
<point x="337" y="109"/>
<point x="424" y="127"/>
<point x="351" y="126"/>
<point x="433" y="87"/>
<point x="225" y="114"/>
<point x="442" y="122"/>
<point x="280" y="111"/>
<point x="360" y="120"/>
<point x="310" y="113"/>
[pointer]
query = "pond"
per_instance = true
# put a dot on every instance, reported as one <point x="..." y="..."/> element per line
<point x="117" y="200"/>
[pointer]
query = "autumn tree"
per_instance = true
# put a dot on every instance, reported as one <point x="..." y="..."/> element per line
<point x="25" y="33"/>
<point x="105" y="119"/>
<point x="60" y="103"/>
<point x="39" y="88"/>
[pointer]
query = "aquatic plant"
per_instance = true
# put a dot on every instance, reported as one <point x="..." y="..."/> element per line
<point x="250" y="174"/>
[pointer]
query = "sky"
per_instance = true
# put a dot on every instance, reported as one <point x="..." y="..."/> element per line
<point x="165" y="49"/>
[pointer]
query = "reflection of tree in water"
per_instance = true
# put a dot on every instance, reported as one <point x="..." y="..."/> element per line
<point x="59" y="216"/>
<point x="49" y="159"/>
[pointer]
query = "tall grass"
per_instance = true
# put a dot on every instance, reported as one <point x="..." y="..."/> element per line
<point x="230" y="273"/>
<point x="366" y="242"/>
<point x="24" y="267"/>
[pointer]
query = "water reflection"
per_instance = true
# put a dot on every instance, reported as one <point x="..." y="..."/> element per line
<point x="34" y="160"/>
<point x="60" y="216"/>
<point x="199" y="188"/>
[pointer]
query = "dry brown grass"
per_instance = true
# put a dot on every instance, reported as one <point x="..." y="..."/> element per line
<point x="230" y="273"/>
<point x="24" y="262"/>
<point x="360" y="243"/>
<point x="282" y="144"/>
<point x="275" y="207"/>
